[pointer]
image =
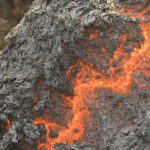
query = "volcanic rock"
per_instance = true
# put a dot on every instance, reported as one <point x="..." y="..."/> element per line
<point x="75" y="76"/>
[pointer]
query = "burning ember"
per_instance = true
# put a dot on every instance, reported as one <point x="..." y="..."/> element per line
<point x="81" y="78"/>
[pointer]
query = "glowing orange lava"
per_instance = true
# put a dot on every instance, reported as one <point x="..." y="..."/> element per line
<point x="8" y="124"/>
<point x="36" y="99"/>
<point x="84" y="87"/>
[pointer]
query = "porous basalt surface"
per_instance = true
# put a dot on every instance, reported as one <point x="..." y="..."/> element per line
<point x="52" y="37"/>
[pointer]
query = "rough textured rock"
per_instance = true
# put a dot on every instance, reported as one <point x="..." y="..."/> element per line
<point x="37" y="53"/>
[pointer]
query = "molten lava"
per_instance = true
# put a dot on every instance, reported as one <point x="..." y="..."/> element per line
<point x="8" y="124"/>
<point x="86" y="82"/>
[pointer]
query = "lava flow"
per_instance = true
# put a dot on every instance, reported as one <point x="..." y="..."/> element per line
<point x="8" y="124"/>
<point x="86" y="82"/>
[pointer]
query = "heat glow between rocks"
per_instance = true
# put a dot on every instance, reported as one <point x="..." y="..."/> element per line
<point x="86" y="82"/>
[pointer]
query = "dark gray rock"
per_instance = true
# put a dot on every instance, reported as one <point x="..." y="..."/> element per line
<point x="37" y="53"/>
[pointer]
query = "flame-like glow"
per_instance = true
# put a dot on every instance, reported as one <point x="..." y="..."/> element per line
<point x="8" y="123"/>
<point x="85" y="82"/>
<point x="36" y="99"/>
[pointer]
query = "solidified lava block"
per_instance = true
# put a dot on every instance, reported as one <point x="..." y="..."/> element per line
<point x="75" y="75"/>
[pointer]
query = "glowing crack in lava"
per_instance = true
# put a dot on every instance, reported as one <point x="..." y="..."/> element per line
<point x="8" y="124"/>
<point x="84" y="87"/>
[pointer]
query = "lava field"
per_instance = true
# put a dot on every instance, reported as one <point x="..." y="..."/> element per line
<point x="75" y="75"/>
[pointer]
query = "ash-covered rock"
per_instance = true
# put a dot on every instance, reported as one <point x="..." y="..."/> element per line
<point x="49" y="39"/>
<point x="83" y="146"/>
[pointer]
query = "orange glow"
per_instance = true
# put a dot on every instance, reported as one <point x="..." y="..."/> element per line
<point x="92" y="36"/>
<point x="135" y="11"/>
<point x="86" y="82"/>
<point x="36" y="99"/>
<point x="8" y="123"/>
<point x="65" y="135"/>
<point x="120" y="103"/>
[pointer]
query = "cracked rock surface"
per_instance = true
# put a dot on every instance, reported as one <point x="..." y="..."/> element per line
<point x="37" y="53"/>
